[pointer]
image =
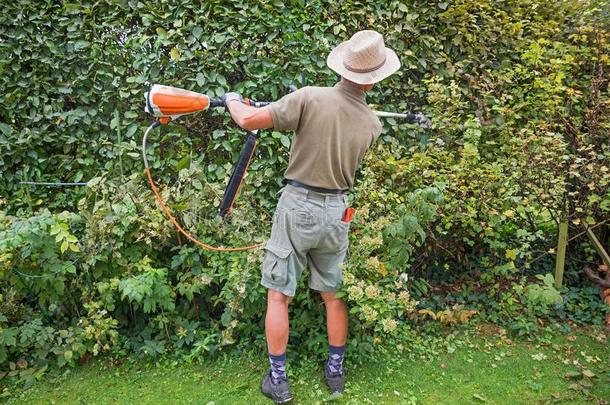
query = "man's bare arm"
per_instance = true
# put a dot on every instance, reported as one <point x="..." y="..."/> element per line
<point x="250" y="118"/>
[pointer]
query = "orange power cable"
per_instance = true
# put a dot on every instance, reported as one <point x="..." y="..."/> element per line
<point x="185" y="233"/>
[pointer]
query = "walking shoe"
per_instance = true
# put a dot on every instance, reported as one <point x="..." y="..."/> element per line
<point x="279" y="393"/>
<point x="336" y="383"/>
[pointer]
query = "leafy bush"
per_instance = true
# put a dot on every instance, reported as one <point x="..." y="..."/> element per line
<point x="544" y="294"/>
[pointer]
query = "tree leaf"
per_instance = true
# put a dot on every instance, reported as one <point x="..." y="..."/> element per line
<point x="79" y="45"/>
<point x="200" y="79"/>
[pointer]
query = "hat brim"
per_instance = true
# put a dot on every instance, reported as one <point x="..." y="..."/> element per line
<point x="335" y="62"/>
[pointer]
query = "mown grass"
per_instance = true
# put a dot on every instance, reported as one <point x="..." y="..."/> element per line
<point x="466" y="368"/>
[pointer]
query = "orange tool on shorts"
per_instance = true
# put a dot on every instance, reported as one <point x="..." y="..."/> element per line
<point x="348" y="215"/>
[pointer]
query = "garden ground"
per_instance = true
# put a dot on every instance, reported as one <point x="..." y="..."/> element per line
<point x="467" y="367"/>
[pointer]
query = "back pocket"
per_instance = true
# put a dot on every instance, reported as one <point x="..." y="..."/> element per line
<point x="275" y="265"/>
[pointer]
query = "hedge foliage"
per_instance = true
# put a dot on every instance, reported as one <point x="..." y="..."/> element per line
<point x="518" y="95"/>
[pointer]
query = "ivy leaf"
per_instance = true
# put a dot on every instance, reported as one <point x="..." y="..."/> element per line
<point x="70" y="268"/>
<point x="174" y="54"/>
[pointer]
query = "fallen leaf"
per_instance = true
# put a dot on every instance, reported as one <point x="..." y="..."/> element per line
<point x="588" y="373"/>
<point x="572" y="338"/>
<point x="479" y="397"/>
<point x="585" y="382"/>
<point x="539" y="356"/>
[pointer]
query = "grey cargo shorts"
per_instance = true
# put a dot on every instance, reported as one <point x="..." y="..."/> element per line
<point x="307" y="231"/>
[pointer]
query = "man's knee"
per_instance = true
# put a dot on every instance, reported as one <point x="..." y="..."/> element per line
<point x="278" y="297"/>
<point x="330" y="297"/>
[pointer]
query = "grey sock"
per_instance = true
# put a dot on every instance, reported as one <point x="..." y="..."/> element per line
<point x="334" y="364"/>
<point x="278" y="368"/>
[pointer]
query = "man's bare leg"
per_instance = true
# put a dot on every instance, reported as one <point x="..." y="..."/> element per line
<point x="276" y="322"/>
<point x="336" y="319"/>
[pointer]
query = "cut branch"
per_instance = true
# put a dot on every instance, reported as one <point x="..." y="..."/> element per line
<point x="596" y="279"/>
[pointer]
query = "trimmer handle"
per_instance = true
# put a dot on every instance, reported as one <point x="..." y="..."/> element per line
<point x="217" y="102"/>
<point x="413" y="118"/>
<point x="254" y="103"/>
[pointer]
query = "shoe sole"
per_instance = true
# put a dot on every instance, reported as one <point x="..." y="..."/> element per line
<point x="285" y="401"/>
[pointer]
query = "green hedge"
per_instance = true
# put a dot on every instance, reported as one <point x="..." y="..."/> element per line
<point x="74" y="76"/>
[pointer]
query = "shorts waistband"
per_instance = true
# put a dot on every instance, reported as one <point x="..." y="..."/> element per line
<point x="315" y="195"/>
<point x="319" y="190"/>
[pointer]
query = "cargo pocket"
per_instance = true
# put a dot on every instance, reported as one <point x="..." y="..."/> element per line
<point x="275" y="265"/>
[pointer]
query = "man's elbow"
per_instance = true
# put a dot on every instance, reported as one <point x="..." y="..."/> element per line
<point x="249" y="123"/>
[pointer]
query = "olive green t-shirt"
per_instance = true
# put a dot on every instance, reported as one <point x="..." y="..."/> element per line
<point x="334" y="127"/>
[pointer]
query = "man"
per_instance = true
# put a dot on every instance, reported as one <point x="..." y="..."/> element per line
<point x="334" y="127"/>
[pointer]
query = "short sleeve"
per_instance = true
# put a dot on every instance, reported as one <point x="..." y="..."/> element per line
<point x="286" y="112"/>
<point x="377" y="128"/>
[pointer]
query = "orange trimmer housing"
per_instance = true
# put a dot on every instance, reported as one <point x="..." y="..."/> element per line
<point x="166" y="102"/>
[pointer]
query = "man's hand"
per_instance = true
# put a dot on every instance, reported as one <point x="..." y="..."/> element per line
<point x="231" y="96"/>
<point x="421" y="120"/>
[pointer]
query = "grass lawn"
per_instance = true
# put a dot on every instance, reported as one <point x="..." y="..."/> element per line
<point x="471" y="367"/>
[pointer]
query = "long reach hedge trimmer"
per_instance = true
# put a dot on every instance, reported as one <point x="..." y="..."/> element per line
<point x="168" y="103"/>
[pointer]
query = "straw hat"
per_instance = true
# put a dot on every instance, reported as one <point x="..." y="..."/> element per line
<point x="363" y="59"/>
